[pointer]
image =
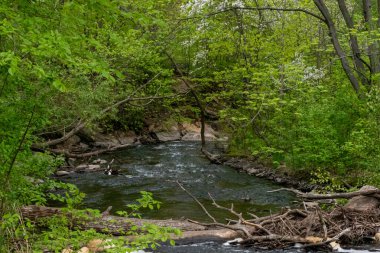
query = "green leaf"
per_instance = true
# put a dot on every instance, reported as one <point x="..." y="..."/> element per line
<point x="59" y="85"/>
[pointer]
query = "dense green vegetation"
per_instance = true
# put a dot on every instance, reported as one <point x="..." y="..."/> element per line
<point x="283" y="90"/>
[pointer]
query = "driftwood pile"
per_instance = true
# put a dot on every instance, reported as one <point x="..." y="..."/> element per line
<point x="355" y="223"/>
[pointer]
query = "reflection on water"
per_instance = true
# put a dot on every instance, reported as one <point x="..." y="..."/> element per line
<point x="155" y="168"/>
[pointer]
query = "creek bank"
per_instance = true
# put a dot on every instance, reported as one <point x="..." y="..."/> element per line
<point x="154" y="133"/>
<point x="81" y="150"/>
<point x="309" y="227"/>
<point x="252" y="166"/>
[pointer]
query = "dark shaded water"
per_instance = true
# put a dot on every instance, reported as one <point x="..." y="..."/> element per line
<point x="155" y="168"/>
<point x="215" y="247"/>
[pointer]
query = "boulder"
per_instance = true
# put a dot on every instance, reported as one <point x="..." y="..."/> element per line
<point x="191" y="137"/>
<point x="364" y="203"/>
<point x="81" y="167"/>
<point x="192" y="132"/>
<point x="197" y="137"/>
<point x="169" y="136"/>
<point x="100" y="161"/>
<point x="377" y="237"/>
<point x="99" y="245"/>
<point x="127" y="140"/>
<point x="93" y="167"/>
<point x="84" y="250"/>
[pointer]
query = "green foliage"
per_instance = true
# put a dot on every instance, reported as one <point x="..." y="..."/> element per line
<point x="326" y="180"/>
<point x="283" y="96"/>
<point x="280" y="92"/>
<point x="63" y="231"/>
<point x="145" y="201"/>
<point x="60" y="61"/>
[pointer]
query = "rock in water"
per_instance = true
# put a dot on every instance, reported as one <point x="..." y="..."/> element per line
<point x="101" y="161"/>
<point x="93" y="167"/>
<point x="61" y="173"/>
<point x="82" y="167"/>
<point x="233" y="242"/>
<point x="377" y="237"/>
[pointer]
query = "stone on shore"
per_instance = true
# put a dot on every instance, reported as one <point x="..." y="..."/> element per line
<point x="61" y="173"/>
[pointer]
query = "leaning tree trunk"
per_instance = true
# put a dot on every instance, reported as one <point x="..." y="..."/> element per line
<point x="195" y="95"/>
<point x="356" y="54"/>
<point x="373" y="49"/>
<point x="338" y="48"/>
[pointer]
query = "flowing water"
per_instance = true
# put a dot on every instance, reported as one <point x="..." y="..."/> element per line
<point x="156" y="168"/>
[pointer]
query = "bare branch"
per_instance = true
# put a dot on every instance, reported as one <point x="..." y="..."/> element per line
<point x="80" y="125"/>
<point x="88" y="154"/>
<point x="196" y="200"/>
<point x="239" y="215"/>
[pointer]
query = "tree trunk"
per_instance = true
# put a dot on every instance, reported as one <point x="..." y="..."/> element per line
<point x="195" y="95"/>
<point x="372" y="47"/>
<point x="338" y="49"/>
<point x="114" y="225"/>
<point x="356" y="54"/>
<point x="378" y="13"/>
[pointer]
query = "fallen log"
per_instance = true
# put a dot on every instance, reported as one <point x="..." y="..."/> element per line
<point x="88" y="154"/>
<point x="117" y="226"/>
<point x="364" y="191"/>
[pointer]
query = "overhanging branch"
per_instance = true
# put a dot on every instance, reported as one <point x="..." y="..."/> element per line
<point x="263" y="8"/>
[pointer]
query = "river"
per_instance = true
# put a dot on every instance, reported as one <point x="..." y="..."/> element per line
<point x="156" y="168"/>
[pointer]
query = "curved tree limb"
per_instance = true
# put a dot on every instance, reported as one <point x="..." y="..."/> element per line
<point x="259" y="8"/>
<point x="79" y="126"/>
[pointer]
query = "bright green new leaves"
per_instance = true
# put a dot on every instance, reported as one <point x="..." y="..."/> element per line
<point x="280" y="90"/>
<point x="64" y="60"/>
